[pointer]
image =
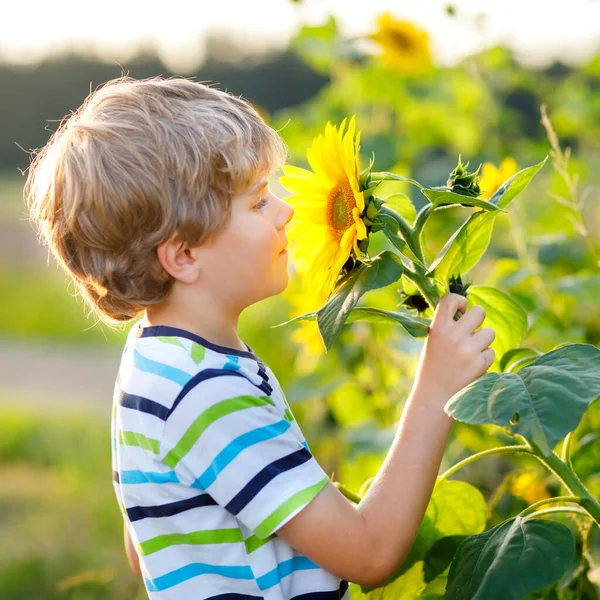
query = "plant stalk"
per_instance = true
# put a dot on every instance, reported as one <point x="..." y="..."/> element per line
<point x="349" y="494"/>
<point x="569" y="478"/>
<point x="499" y="450"/>
<point x="556" y="509"/>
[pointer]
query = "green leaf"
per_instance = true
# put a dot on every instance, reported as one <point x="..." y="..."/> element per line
<point x="384" y="269"/>
<point x="408" y="587"/>
<point x="393" y="194"/>
<point x="512" y="187"/>
<point x="455" y="508"/>
<point x="416" y="326"/>
<point x="440" y="555"/>
<point x="437" y="197"/>
<point x="543" y="401"/>
<point x="505" y="316"/>
<point x="466" y="246"/>
<point x="514" y="355"/>
<point x="510" y="561"/>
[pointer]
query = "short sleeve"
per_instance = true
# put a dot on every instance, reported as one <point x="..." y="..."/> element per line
<point x="226" y="437"/>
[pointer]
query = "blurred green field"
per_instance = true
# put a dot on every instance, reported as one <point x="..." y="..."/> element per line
<point x="60" y="525"/>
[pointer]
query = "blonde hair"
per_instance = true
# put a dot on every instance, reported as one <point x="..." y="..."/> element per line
<point x="137" y="162"/>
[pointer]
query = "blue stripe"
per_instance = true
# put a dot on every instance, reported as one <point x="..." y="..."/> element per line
<point x="259" y="481"/>
<point x="192" y="570"/>
<point x="283" y="569"/>
<point x="161" y="369"/>
<point x="148" y="477"/>
<point x="234" y="448"/>
<point x="233" y="363"/>
<point x="306" y="445"/>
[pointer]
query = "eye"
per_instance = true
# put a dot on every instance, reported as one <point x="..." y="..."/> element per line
<point x="263" y="202"/>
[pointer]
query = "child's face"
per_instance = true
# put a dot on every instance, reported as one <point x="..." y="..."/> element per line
<point x="247" y="260"/>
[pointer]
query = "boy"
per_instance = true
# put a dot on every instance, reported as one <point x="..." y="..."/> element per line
<point x="154" y="197"/>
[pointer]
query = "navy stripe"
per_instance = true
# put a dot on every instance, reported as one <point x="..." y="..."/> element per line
<point x="335" y="595"/>
<point x="204" y="375"/>
<point x="116" y="477"/>
<point x="144" y="405"/>
<point x="260" y="480"/>
<point x="163" y="330"/>
<point x="137" y="513"/>
<point x="265" y="386"/>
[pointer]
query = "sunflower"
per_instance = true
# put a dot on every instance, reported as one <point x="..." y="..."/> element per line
<point x="405" y="46"/>
<point x="328" y="203"/>
<point x="493" y="177"/>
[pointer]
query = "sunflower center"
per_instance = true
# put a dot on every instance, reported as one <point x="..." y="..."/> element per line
<point x="402" y="40"/>
<point x="340" y="203"/>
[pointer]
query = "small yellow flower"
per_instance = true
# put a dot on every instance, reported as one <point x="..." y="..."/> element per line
<point x="492" y="177"/>
<point x="328" y="205"/>
<point x="405" y="46"/>
<point x="527" y="485"/>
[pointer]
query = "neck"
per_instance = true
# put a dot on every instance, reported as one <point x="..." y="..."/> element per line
<point x="204" y="315"/>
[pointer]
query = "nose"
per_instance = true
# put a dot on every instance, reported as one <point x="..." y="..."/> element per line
<point x="286" y="213"/>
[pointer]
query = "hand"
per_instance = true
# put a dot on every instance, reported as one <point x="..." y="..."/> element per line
<point x="454" y="354"/>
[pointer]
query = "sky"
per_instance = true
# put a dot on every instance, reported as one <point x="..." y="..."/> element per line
<point x="537" y="30"/>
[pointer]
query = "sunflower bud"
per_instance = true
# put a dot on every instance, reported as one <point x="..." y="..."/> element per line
<point x="456" y="286"/>
<point x="415" y="301"/>
<point x="462" y="182"/>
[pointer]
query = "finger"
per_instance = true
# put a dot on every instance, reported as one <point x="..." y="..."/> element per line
<point x="488" y="357"/>
<point x="483" y="338"/>
<point x="447" y="307"/>
<point x="472" y="319"/>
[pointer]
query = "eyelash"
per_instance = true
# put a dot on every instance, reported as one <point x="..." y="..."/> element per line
<point x="263" y="202"/>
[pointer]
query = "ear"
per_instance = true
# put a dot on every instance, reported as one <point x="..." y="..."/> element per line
<point x="179" y="260"/>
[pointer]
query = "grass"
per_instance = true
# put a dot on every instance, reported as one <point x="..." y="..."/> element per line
<point x="59" y="520"/>
<point x="38" y="303"/>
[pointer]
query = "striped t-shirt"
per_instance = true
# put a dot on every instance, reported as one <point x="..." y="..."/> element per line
<point x="208" y="463"/>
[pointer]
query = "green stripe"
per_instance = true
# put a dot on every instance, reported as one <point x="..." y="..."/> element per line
<point x="197" y="353"/>
<point x="189" y="438"/>
<point x="290" y="505"/>
<point x="132" y="438"/>
<point x="170" y="340"/>
<point x="288" y="415"/>
<point x="211" y="536"/>
<point x="254" y="543"/>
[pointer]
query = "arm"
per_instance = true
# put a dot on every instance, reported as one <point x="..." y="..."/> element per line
<point x="132" y="556"/>
<point x="367" y="543"/>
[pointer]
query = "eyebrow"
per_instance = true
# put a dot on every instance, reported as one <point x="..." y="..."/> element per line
<point x="259" y="186"/>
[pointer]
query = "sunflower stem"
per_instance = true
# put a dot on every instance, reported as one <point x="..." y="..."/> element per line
<point x="406" y="231"/>
<point x="421" y="219"/>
